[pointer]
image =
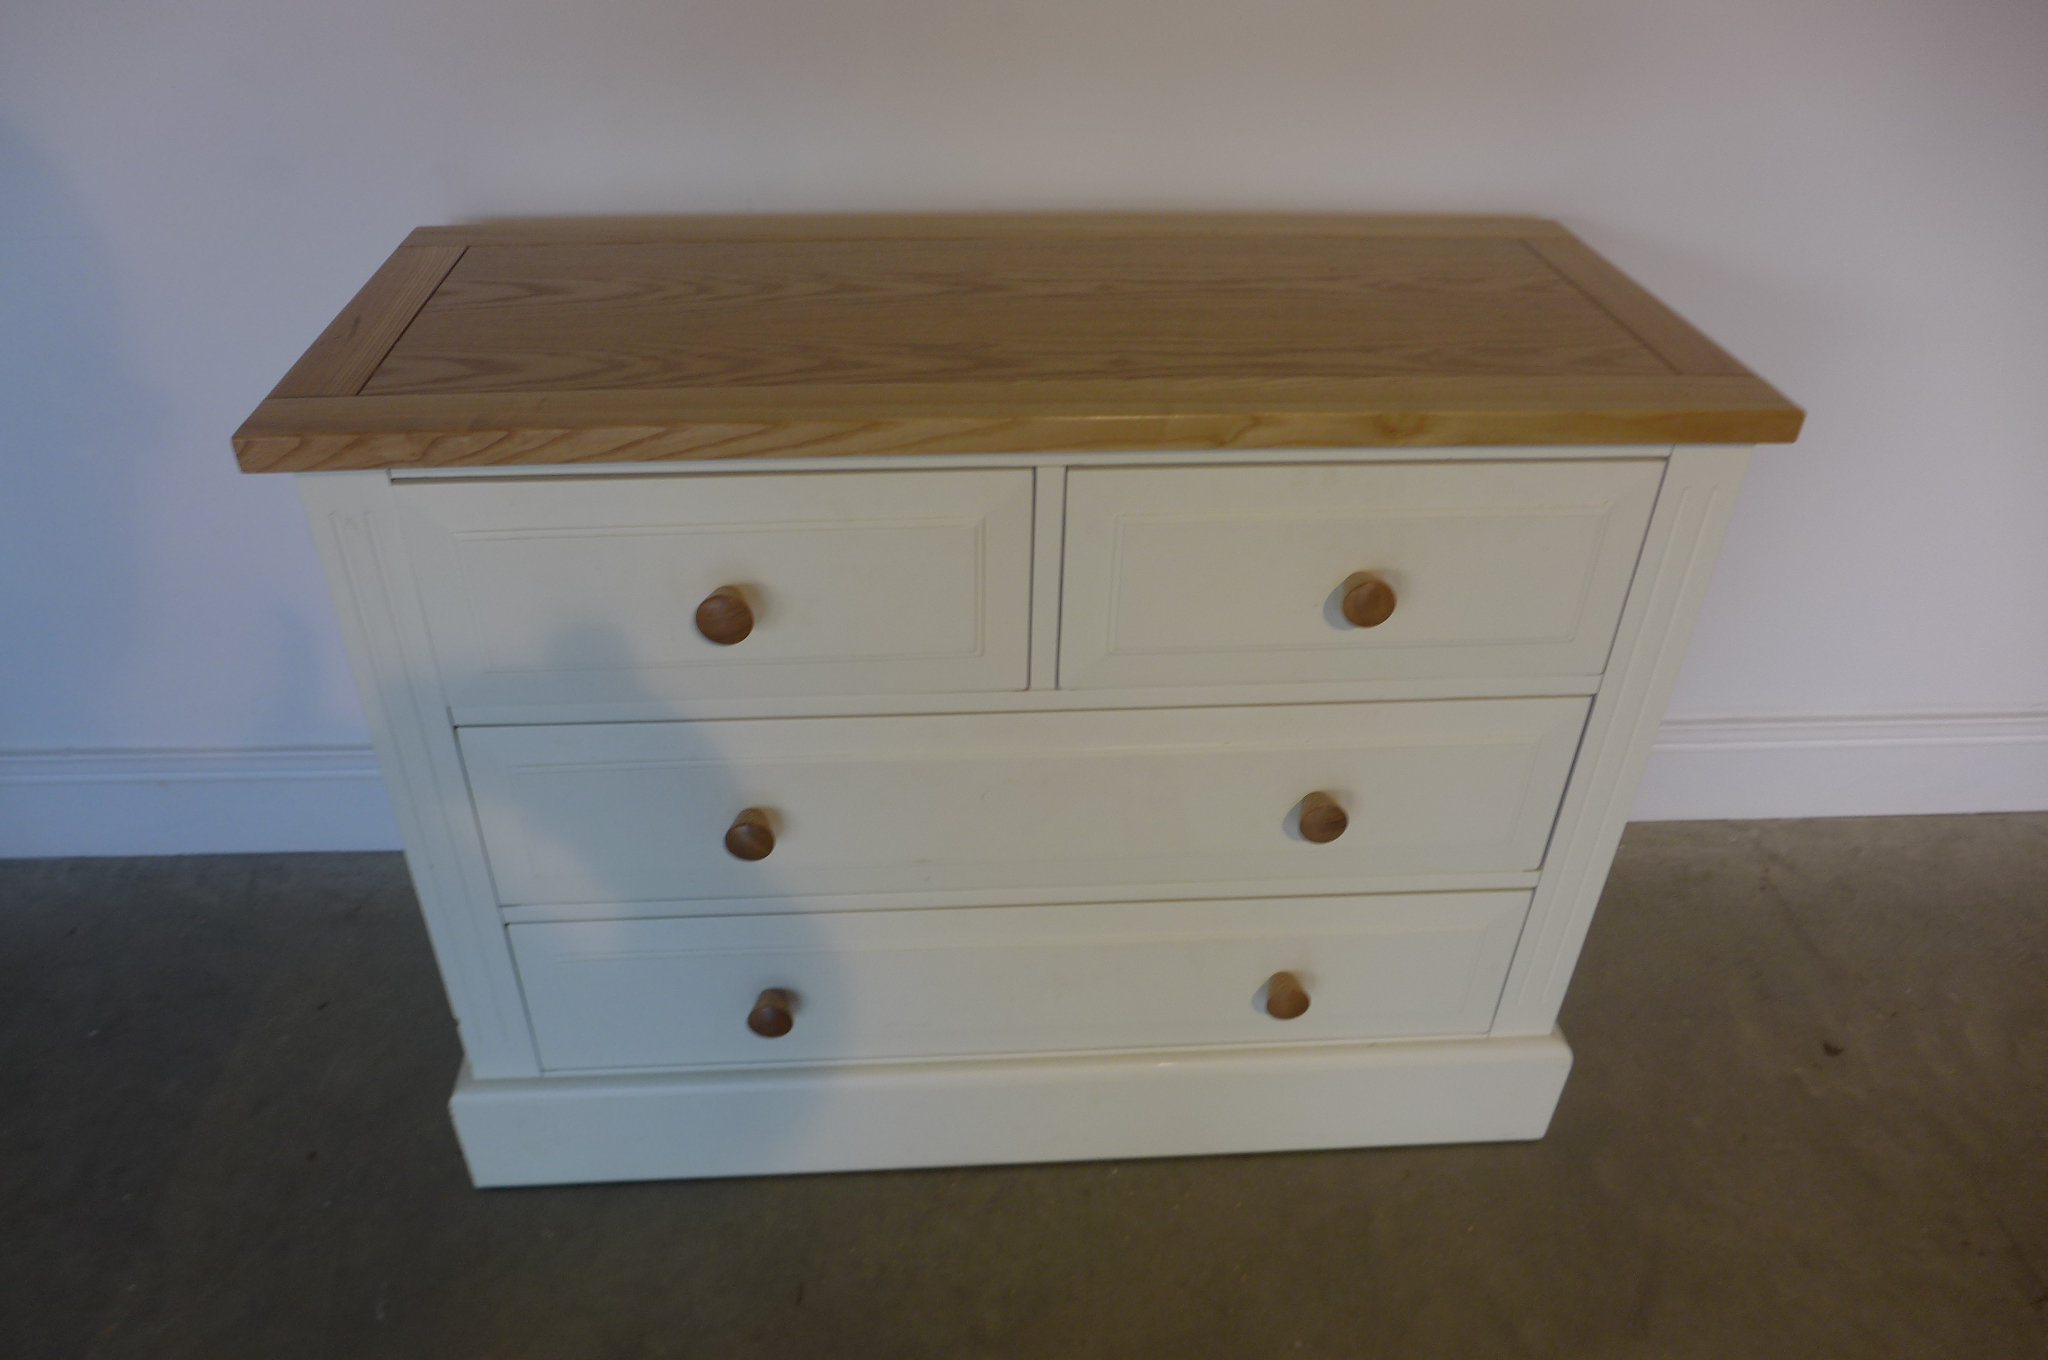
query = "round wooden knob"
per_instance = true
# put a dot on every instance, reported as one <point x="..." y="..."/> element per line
<point x="771" y="1017"/>
<point x="724" y="617"/>
<point x="1322" y="820"/>
<point x="750" y="836"/>
<point x="1369" y="602"/>
<point x="1286" y="998"/>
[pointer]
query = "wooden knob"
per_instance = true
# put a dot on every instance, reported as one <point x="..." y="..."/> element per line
<point x="724" y="617"/>
<point x="1322" y="820"/>
<point x="771" y="1017"/>
<point x="1368" y="602"/>
<point x="1285" y="996"/>
<point x="750" y="836"/>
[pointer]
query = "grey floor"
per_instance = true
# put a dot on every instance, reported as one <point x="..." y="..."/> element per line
<point x="1809" y="1118"/>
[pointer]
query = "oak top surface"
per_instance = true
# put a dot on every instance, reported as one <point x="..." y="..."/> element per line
<point x="571" y="340"/>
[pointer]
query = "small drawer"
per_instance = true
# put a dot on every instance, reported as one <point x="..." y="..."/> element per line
<point x="612" y="812"/>
<point x="565" y="590"/>
<point x="1234" y="575"/>
<point x="859" y="985"/>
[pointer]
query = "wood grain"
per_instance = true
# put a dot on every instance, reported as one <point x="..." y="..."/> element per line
<point x="862" y="313"/>
<point x="1663" y="330"/>
<point x="739" y="314"/>
<point x="651" y="339"/>
<point x="321" y="435"/>
<point x="354" y="343"/>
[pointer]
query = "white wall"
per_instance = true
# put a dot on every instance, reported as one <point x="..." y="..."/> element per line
<point x="1852" y="195"/>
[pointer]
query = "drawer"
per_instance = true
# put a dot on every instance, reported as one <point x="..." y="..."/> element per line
<point x="587" y="590"/>
<point x="641" y="811"/>
<point x="1228" y="575"/>
<point x="653" y="993"/>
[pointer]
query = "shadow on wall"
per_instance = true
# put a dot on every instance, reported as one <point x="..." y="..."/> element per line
<point x="76" y="424"/>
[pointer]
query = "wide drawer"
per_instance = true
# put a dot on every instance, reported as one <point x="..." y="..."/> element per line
<point x="1225" y="575"/>
<point x="641" y="811"/>
<point x="652" y="993"/>
<point x="587" y="590"/>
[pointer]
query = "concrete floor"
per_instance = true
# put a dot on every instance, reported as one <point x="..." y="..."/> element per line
<point x="1809" y="1118"/>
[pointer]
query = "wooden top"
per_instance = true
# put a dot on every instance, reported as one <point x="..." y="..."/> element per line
<point x="634" y="339"/>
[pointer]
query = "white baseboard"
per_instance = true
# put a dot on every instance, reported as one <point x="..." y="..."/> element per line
<point x="192" y="802"/>
<point x="1847" y="765"/>
<point x="331" y="797"/>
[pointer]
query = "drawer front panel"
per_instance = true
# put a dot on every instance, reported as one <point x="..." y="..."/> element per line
<point x="586" y="590"/>
<point x="640" y="811"/>
<point x="1227" y="575"/>
<point x="649" y="993"/>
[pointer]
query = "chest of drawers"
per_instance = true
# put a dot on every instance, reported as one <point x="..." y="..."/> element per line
<point x="914" y="691"/>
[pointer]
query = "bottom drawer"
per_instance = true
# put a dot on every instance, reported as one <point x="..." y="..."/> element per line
<point x="899" y="984"/>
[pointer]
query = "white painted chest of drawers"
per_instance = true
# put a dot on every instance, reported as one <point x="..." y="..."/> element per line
<point x="891" y="692"/>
